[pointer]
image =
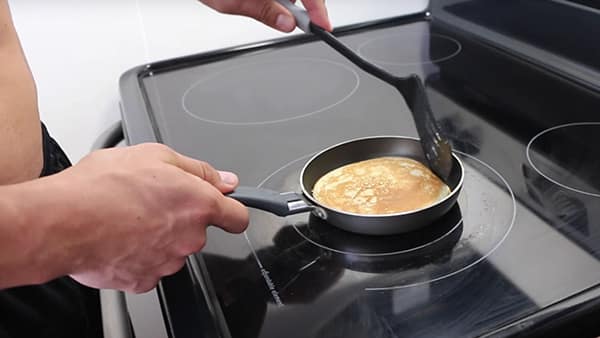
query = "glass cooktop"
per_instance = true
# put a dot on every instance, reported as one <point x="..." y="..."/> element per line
<point x="523" y="237"/>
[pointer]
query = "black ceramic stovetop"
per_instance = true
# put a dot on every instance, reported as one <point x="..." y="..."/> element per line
<point x="521" y="247"/>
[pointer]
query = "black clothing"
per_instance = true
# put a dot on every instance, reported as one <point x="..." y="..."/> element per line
<point x="61" y="308"/>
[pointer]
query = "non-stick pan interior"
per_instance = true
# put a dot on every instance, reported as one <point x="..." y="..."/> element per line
<point x="364" y="149"/>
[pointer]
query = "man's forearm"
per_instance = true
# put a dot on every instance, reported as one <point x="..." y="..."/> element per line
<point x="29" y="226"/>
<point x="20" y="134"/>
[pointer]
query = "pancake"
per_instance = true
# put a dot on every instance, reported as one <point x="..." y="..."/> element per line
<point x="378" y="186"/>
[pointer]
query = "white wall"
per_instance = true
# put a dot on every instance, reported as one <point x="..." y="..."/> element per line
<point x="77" y="49"/>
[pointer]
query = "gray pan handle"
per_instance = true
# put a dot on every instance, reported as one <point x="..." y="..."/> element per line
<point x="280" y="204"/>
<point x="301" y="16"/>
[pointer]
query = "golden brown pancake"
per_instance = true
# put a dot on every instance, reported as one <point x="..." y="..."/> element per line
<point x="378" y="186"/>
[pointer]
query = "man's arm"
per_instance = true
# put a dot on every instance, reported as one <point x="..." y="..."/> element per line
<point x="20" y="133"/>
<point x="121" y="218"/>
<point x="114" y="226"/>
<point x="21" y="243"/>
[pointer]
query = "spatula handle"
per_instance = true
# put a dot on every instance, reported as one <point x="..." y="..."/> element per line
<point x="301" y="16"/>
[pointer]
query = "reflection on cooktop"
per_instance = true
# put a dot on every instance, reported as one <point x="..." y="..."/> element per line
<point x="566" y="210"/>
<point x="514" y="18"/>
<point x="320" y="233"/>
<point x="387" y="254"/>
<point x="453" y="307"/>
<point x="252" y="87"/>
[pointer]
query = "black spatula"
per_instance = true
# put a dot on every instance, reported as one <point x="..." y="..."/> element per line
<point x="435" y="145"/>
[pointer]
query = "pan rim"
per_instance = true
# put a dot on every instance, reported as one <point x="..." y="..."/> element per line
<point x="317" y="204"/>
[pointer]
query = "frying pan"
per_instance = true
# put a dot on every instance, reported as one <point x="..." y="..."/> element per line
<point x="289" y="203"/>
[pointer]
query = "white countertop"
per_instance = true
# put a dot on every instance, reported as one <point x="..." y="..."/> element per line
<point x="78" y="49"/>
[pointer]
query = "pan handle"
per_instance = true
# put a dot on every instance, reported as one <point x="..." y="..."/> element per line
<point x="280" y="204"/>
<point x="301" y="16"/>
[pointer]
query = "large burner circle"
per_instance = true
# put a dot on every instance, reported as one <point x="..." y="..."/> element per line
<point x="467" y="236"/>
<point x="269" y="92"/>
<point x="568" y="155"/>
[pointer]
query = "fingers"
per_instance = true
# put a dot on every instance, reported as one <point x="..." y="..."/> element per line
<point x="318" y="13"/>
<point x="223" y="180"/>
<point x="214" y="207"/>
<point x="229" y="179"/>
<point x="271" y="13"/>
<point x="230" y="215"/>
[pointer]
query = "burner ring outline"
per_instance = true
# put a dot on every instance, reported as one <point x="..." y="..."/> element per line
<point x="383" y="62"/>
<point x="496" y="245"/>
<point x="320" y="110"/>
<point x="539" y="171"/>
<point x="480" y="259"/>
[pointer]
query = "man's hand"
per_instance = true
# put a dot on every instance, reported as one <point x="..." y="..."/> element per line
<point x="272" y="13"/>
<point x="133" y="214"/>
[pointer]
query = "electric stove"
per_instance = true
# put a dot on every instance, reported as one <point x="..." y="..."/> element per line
<point x="519" y="253"/>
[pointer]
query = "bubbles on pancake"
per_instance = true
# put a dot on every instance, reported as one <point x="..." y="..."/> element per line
<point x="378" y="186"/>
<point x="417" y="172"/>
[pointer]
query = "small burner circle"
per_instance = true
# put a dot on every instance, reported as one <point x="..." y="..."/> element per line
<point x="391" y="49"/>
<point x="568" y="155"/>
<point x="268" y="92"/>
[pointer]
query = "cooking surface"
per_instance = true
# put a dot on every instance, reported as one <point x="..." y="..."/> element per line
<point x="524" y="235"/>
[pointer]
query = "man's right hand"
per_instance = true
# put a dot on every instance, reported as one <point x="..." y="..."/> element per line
<point x="136" y="213"/>
<point x="272" y="13"/>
